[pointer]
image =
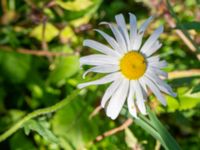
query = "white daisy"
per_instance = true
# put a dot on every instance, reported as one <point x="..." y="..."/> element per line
<point x="130" y="67"/>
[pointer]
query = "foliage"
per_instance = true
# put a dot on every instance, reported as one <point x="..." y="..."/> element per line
<point x="40" y="46"/>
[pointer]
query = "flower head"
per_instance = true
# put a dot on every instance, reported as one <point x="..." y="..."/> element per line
<point x="130" y="67"/>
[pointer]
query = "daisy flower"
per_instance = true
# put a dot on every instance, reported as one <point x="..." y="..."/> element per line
<point x="130" y="67"/>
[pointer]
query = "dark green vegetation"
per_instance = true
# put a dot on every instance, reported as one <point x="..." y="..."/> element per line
<point x="40" y="44"/>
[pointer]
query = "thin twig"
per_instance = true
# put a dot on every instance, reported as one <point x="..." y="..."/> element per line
<point x="36" y="52"/>
<point x="184" y="73"/>
<point x="162" y="6"/>
<point x="125" y="125"/>
<point x="95" y="112"/>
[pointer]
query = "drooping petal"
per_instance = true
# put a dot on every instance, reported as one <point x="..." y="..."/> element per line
<point x="138" y="39"/>
<point x="110" y="40"/>
<point x="160" y="83"/>
<point x="110" y="91"/>
<point x="106" y="79"/>
<point x="131" y="103"/>
<point x="102" y="69"/>
<point x="117" y="100"/>
<point x="133" y="29"/>
<point x="118" y="36"/>
<point x="139" y="96"/>
<point x="122" y="27"/>
<point x="142" y="83"/>
<point x="158" y="64"/>
<point x="98" y="59"/>
<point x="100" y="47"/>
<point x="155" y="90"/>
<point x="159" y="72"/>
<point x="151" y="40"/>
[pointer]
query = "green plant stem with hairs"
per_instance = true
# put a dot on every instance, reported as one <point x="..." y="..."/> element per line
<point x="36" y="113"/>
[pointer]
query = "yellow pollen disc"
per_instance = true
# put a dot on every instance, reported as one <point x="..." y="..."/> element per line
<point x="133" y="65"/>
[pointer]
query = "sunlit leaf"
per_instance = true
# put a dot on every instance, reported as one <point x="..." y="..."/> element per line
<point x="50" y="32"/>
<point x="75" y="5"/>
<point x="184" y="101"/>
<point x="68" y="35"/>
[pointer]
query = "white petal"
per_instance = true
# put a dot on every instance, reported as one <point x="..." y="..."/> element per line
<point x="138" y="40"/>
<point x="156" y="46"/>
<point x="155" y="90"/>
<point x="118" y="36"/>
<point x="153" y="58"/>
<point x="133" y="29"/>
<point x="106" y="79"/>
<point x="151" y="40"/>
<point x="130" y="102"/>
<point x="117" y="100"/>
<point x="102" y="69"/>
<point x="160" y="83"/>
<point x="110" y="91"/>
<point x="98" y="59"/>
<point x="100" y="47"/>
<point x="142" y="83"/>
<point x="110" y="40"/>
<point x="139" y="96"/>
<point x="158" y="64"/>
<point x="159" y="72"/>
<point x="122" y="27"/>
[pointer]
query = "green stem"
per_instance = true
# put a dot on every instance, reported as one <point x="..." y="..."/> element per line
<point x="36" y="113"/>
<point x="154" y="127"/>
<point x="166" y="136"/>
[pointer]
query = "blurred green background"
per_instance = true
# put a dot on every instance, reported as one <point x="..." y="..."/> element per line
<point x="40" y="46"/>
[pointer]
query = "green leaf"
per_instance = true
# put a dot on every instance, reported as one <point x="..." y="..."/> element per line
<point x="196" y="89"/>
<point x="15" y="66"/>
<point x="64" y="67"/>
<point x="186" y="99"/>
<point x="67" y="34"/>
<point x="162" y="131"/>
<point x="76" y="5"/>
<point x="82" y="17"/>
<point x="20" y="142"/>
<point x="73" y="125"/>
<point x="37" y="126"/>
<point x="189" y="25"/>
<point x="50" y="32"/>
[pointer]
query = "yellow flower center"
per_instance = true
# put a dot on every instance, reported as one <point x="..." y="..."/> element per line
<point x="133" y="65"/>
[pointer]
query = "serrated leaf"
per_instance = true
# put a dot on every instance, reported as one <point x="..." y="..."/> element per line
<point x="50" y="32"/>
<point x="185" y="100"/>
<point x="74" y="120"/>
<point x="75" y="5"/>
<point x="33" y="125"/>
<point x="190" y="25"/>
